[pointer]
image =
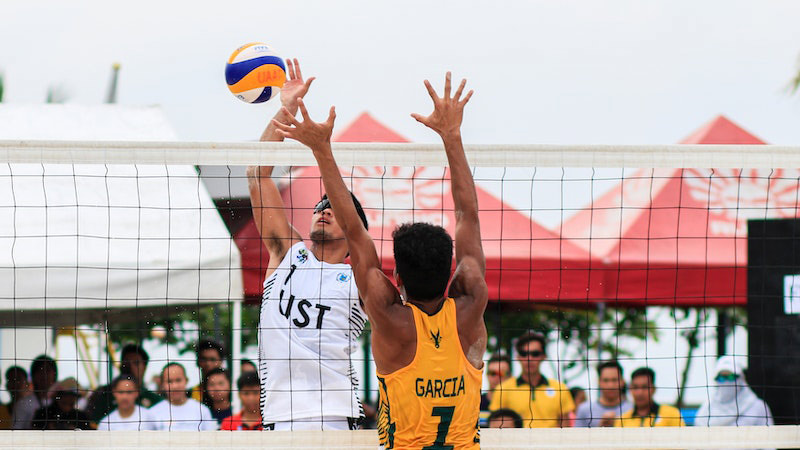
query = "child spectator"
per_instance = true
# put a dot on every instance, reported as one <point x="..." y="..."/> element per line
<point x="128" y="415"/>
<point x="210" y="356"/>
<point x="250" y="395"/>
<point x="218" y="394"/>
<point x="180" y="412"/>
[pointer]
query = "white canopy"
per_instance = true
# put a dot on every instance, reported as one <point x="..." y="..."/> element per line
<point x="83" y="243"/>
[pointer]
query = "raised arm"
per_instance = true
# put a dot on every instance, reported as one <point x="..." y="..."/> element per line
<point x="374" y="287"/>
<point x="468" y="283"/>
<point x="276" y="232"/>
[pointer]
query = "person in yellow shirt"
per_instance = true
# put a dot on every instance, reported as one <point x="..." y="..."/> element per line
<point x="428" y="341"/>
<point x="541" y="402"/>
<point x="646" y="412"/>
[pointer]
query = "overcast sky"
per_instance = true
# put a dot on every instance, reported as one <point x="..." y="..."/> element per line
<point x="579" y="71"/>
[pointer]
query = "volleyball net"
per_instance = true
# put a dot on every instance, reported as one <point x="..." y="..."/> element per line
<point x="657" y="257"/>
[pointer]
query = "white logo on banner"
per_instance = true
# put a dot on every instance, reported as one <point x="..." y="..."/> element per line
<point x="735" y="195"/>
<point x="395" y="195"/>
<point x="791" y="294"/>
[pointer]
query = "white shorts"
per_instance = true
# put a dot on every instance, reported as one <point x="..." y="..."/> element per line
<point x="314" y="423"/>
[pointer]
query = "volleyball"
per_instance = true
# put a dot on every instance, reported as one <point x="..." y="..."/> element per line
<point x="255" y="73"/>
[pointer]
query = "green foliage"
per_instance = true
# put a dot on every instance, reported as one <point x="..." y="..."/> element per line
<point x="579" y="331"/>
<point x="1" y="87"/>
<point x="185" y="327"/>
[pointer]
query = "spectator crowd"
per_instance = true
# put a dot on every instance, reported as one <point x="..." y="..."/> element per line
<point x="528" y="400"/>
<point x="40" y="402"/>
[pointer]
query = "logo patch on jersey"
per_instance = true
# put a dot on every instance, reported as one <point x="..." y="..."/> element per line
<point x="342" y="277"/>
<point x="550" y="392"/>
<point x="302" y="256"/>
<point x="436" y="338"/>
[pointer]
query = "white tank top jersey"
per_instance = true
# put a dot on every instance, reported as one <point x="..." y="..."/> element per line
<point x="310" y="322"/>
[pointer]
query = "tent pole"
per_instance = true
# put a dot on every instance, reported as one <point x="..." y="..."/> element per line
<point x="601" y="311"/>
<point x="236" y="352"/>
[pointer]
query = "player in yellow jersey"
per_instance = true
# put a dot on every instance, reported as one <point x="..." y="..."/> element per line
<point x="427" y="343"/>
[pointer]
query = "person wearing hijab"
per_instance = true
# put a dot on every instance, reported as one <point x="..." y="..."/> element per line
<point x="732" y="403"/>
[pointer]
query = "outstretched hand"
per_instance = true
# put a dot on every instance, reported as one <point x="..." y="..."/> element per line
<point x="307" y="132"/>
<point x="294" y="87"/>
<point x="447" y="111"/>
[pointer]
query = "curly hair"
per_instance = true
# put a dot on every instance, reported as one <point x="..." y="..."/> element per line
<point x="423" y="255"/>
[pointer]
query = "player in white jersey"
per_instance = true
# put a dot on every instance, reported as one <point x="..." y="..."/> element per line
<point x="311" y="315"/>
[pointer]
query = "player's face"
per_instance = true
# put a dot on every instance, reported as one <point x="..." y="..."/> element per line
<point x="125" y="393"/>
<point x="174" y="382"/>
<point x="531" y="357"/>
<point x="323" y="223"/>
<point x="250" y="397"/>
<point x="218" y="387"/>
<point x="610" y="383"/>
<point x="642" y="391"/>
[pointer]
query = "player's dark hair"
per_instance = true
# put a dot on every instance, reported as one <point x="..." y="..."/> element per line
<point x="164" y="370"/>
<point x="528" y="337"/>
<point x="208" y="344"/>
<point x="647" y="372"/>
<point x="357" y="204"/>
<point x="134" y="348"/>
<point x="423" y="255"/>
<point x="16" y="372"/>
<point x="44" y="362"/>
<point x="609" y="364"/>
<point x="123" y="377"/>
<point x="217" y="371"/>
<point x="248" y="379"/>
<point x="505" y="412"/>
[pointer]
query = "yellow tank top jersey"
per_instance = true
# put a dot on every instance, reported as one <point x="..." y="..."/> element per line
<point x="433" y="403"/>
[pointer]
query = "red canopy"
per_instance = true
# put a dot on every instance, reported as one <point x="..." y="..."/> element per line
<point x="679" y="236"/>
<point x="524" y="259"/>
<point x="660" y="237"/>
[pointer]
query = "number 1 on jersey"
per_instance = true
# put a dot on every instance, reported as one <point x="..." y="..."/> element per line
<point x="446" y="416"/>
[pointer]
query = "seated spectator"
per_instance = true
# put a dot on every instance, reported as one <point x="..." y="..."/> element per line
<point x="17" y="385"/>
<point x="62" y="414"/>
<point x="127" y="415"/>
<point x="505" y="418"/>
<point x="210" y="356"/>
<point x="180" y="412"/>
<point x="498" y="369"/>
<point x="218" y="394"/>
<point x="646" y="412"/>
<point x="733" y="403"/>
<point x="540" y="402"/>
<point x="248" y="366"/>
<point x="250" y="395"/>
<point x="44" y="373"/>
<point x="612" y="401"/>
<point x="134" y="360"/>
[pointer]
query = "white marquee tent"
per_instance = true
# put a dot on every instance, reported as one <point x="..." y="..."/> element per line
<point x="86" y="243"/>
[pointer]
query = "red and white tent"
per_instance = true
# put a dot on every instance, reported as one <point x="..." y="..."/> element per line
<point x="678" y="237"/>
<point x="525" y="260"/>
<point x="674" y="237"/>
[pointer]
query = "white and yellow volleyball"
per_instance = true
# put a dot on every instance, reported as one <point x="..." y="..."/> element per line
<point x="255" y="73"/>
